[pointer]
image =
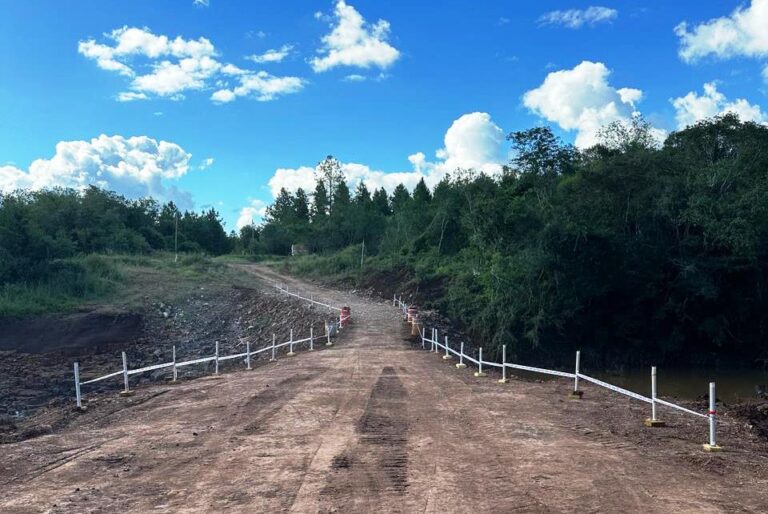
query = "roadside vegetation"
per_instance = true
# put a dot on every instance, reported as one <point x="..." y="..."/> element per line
<point x="634" y="250"/>
<point x="61" y="248"/>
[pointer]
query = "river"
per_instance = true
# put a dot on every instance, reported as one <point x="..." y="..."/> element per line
<point x="685" y="383"/>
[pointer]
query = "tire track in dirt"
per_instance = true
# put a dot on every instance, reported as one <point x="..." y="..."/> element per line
<point x="378" y="462"/>
<point x="264" y="405"/>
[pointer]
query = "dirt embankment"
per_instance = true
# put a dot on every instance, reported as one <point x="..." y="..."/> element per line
<point x="36" y="354"/>
<point x="375" y="424"/>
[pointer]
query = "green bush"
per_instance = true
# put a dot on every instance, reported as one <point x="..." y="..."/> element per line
<point x="67" y="283"/>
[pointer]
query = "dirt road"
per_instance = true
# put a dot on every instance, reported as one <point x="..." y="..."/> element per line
<point x="373" y="424"/>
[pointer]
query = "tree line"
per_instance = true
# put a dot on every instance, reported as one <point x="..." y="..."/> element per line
<point x="634" y="250"/>
<point x="40" y="228"/>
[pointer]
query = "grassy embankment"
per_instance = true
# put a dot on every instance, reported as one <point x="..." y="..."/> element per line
<point x="379" y="272"/>
<point x="114" y="279"/>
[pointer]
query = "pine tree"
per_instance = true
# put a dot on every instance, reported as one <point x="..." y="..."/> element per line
<point x="362" y="196"/>
<point x="301" y="206"/>
<point x="400" y="199"/>
<point x="320" y="202"/>
<point x="330" y="172"/>
<point x="381" y="202"/>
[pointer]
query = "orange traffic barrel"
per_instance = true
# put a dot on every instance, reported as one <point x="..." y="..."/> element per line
<point x="412" y="313"/>
<point x="346" y="314"/>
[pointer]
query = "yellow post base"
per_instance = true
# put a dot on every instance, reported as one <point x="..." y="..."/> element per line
<point x="127" y="393"/>
<point x="81" y="409"/>
<point x="460" y="365"/>
<point x="503" y="381"/>
<point x="480" y="374"/>
<point x="328" y="344"/>
<point x="575" y="395"/>
<point x="654" y="423"/>
<point x="447" y="357"/>
<point x="712" y="448"/>
<point x="291" y="354"/>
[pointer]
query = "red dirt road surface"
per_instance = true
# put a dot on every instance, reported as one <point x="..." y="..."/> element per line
<point x="374" y="424"/>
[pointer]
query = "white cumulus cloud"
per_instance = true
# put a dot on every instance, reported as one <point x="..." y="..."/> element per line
<point x="577" y="18"/>
<point x="354" y="42"/>
<point x="272" y="55"/>
<point x="130" y="96"/>
<point x="206" y="163"/>
<point x="472" y="141"/>
<point x="742" y="33"/>
<point x="582" y="100"/>
<point x="159" y="66"/>
<point x="262" y="86"/>
<point x="132" y="166"/>
<point x="694" y="107"/>
<point x="251" y="213"/>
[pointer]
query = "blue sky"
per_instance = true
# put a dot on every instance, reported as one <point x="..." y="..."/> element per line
<point x="231" y="100"/>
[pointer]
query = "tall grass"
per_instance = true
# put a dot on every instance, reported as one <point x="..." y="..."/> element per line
<point x="68" y="283"/>
<point x="74" y="281"/>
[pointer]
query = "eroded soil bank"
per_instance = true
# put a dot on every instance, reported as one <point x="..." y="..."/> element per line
<point x="36" y="354"/>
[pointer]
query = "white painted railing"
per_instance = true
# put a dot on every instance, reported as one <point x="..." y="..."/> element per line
<point x="216" y="358"/>
<point x="311" y="299"/>
<point x="435" y="346"/>
<point x="341" y="319"/>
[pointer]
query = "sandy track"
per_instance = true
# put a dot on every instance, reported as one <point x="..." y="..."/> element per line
<point x="371" y="424"/>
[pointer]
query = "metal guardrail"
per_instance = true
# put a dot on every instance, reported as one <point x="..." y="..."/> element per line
<point x="435" y="344"/>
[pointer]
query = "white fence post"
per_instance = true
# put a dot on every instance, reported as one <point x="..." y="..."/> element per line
<point x="653" y="421"/>
<point x="653" y="393"/>
<point x="247" y="355"/>
<point x="328" y="335"/>
<point x="461" y="364"/>
<point x="504" y="379"/>
<point x="77" y="386"/>
<point x="273" y="349"/>
<point x="311" y="338"/>
<point x="217" y="358"/>
<point x="712" y="446"/>
<point x="291" y="353"/>
<point x="479" y="372"/>
<point x="576" y="394"/>
<point x="423" y="336"/>
<point x="175" y="370"/>
<point x="126" y="390"/>
<point x="447" y="355"/>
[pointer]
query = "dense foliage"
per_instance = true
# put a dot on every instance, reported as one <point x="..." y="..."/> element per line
<point x="41" y="232"/>
<point x="633" y="251"/>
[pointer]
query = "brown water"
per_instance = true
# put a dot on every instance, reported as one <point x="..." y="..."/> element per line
<point x="689" y="383"/>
